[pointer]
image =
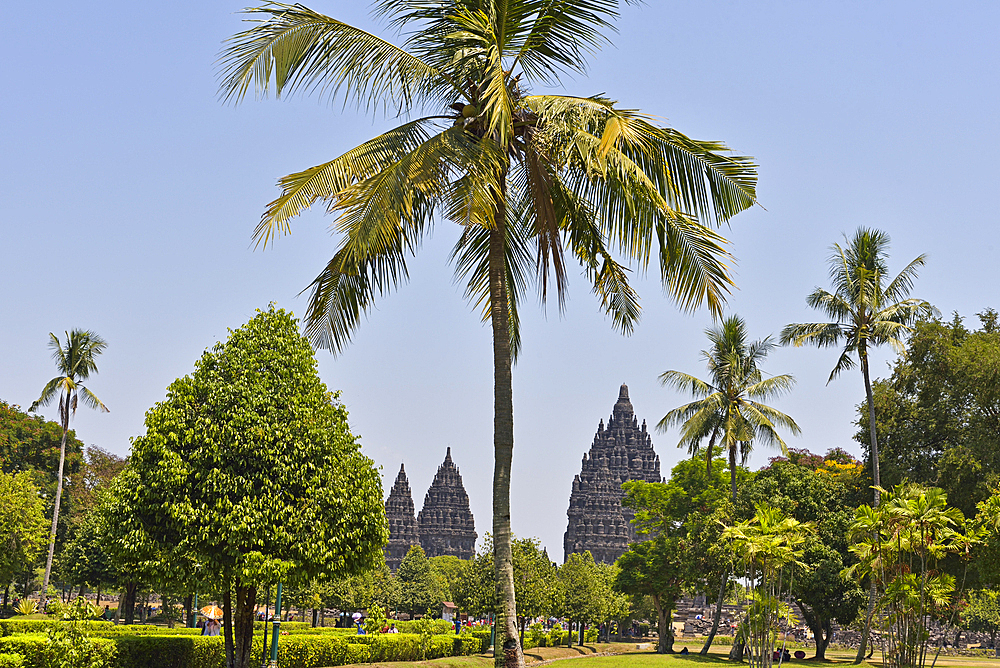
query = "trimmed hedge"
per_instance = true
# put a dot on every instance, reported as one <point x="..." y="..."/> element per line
<point x="438" y="626"/>
<point x="31" y="647"/>
<point x="11" y="626"/>
<point x="11" y="661"/>
<point x="300" y="650"/>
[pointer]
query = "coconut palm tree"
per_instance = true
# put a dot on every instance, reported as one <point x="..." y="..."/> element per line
<point x="75" y="361"/>
<point x="867" y="310"/>
<point x="729" y="404"/>
<point x="526" y="177"/>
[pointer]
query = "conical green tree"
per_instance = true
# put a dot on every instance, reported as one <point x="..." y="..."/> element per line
<point x="75" y="361"/>
<point x="867" y="309"/>
<point x="729" y="405"/>
<point x="526" y="177"/>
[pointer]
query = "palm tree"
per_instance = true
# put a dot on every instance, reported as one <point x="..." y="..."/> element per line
<point x="526" y="177"/>
<point x="75" y="361"/>
<point x="867" y="310"/>
<point x="729" y="404"/>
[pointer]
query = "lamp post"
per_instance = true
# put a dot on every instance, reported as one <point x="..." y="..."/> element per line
<point x="276" y="628"/>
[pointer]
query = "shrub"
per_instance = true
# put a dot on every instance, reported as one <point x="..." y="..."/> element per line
<point x="437" y="626"/>
<point x="590" y="635"/>
<point x="12" y="626"/>
<point x="11" y="661"/>
<point x="26" y="606"/>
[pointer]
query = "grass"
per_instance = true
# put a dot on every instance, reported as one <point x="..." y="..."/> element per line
<point x="627" y="656"/>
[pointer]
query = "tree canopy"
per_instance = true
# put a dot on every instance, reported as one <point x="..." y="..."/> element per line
<point x="249" y="468"/>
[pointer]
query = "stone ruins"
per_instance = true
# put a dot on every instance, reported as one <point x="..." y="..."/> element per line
<point x="445" y="525"/>
<point x="622" y="451"/>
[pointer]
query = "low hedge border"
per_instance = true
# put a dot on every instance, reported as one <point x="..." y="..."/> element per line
<point x="294" y="651"/>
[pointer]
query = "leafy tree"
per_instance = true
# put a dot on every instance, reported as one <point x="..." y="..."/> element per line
<point x="936" y="414"/>
<point x="767" y="545"/>
<point x="22" y="525"/>
<point x="982" y="613"/>
<point x="527" y="177"/>
<point x="900" y="546"/>
<point x="691" y="508"/>
<point x="658" y="568"/>
<point x="579" y="589"/>
<point x="249" y="469"/>
<point x="824" y="496"/>
<point x="31" y="443"/>
<point x="418" y="588"/>
<point x="729" y="404"/>
<point x="75" y="361"/>
<point x="99" y="467"/>
<point x="868" y="310"/>
<point x="447" y="572"/>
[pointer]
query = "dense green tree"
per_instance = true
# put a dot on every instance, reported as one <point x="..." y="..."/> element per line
<point x="249" y="469"/>
<point x="75" y="361"/>
<point x="936" y="414"/>
<point x="418" y="588"/>
<point x="22" y="525"/>
<point x="660" y="569"/>
<point x="867" y="309"/>
<point x="447" y="572"/>
<point x="824" y="496"/>
<point x="691" y="507"/>
<point x="982" y="614"/>
<point x="579" y="590"/>
<point x="526" y="177"/>
<point x="729" y="405"/>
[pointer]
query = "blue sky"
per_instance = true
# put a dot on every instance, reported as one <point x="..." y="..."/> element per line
<point x="129" y="191"/>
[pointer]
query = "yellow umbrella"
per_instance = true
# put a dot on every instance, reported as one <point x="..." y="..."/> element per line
<point x="212" y="611"/>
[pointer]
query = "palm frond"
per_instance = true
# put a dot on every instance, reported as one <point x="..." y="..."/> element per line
<point x="901" y="286"/>
<point x="328" y="180"/>
<point x="90" y="400"/>
<point x="294" y="48"/>
<point x="49" y="392"/>
<point x="821" y="334"/>
<point x="686" y="383"/>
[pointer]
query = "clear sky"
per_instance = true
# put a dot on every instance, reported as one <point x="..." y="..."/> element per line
<point x="128" y="194"/>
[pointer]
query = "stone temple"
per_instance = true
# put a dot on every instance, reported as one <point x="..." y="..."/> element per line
<point x="445" y="522"/>
<point x="622" y="451"/>
<point x="402" y="523"/>
<point x="445" y="525"/>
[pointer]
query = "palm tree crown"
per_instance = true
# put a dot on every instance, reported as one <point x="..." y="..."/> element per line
<point x="75" y="361"/>
<point x="730" y="404"/>
<point x="866" y="308"/>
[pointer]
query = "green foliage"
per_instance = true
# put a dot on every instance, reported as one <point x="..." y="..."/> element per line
<point x="936" y="421"/>
<point x="419" y="594"/>
<point x="22" y="524"/>
<point x="448" y="571"/>
<point x="824" y="494"/>
<point x="11" y="661"/>
<point x="900" y="546"/>
<point x="982" y="612"/>
<point x="30" y="443"/>
<point x="69" y="644"/>
<point x="375" y="620"/>
<point x="769" y="547"/>
<point x="26" y="606"/>
<point x="729" y="406"/>
<point x="535" y="581"/>
<point x="249" y="467"/>
<point x="657" y="568"/>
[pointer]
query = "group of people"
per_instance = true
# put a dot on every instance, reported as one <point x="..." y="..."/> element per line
<point x="209" y="626"/>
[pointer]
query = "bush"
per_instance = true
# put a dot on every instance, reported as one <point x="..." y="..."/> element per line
<point x="12" y="626"/>
<point x="590" y="635"/>
<point x="643" y="630"/>
<point x="437" y="626"/>
<point x="11" y="661"/>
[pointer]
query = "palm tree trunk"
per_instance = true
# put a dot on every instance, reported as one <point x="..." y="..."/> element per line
<point x="876" y="478"/>
<point x="64" y="410"/>
<point x="503" y="442"/>
<point x="717" y="616"/>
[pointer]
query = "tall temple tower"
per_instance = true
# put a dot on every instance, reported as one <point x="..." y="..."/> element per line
<point x="402" y="524"/>
<point x="445" y="523"/>
<point x="623" y="451"/>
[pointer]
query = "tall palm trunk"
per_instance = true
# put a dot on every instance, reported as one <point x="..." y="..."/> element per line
<point x="876" y="478"/>
<point x="510" y="655"/>
<point x="64" y="414"/>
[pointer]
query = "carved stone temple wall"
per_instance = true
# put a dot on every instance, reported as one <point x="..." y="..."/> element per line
<point x="402" y="523"/>
<point x="445" y="525"/>
<point x="621" y="451"/>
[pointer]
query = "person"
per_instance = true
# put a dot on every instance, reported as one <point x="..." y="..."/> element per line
<point x="212" y="627"/>
<point x="107" y="613"/>
<point x="393" y="629"/>
<point x="684" y="651"/>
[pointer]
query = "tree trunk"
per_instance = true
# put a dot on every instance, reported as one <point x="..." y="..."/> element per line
<point x="820" y="628"/>
<point x="129" y="603"/>
<point x="98" y="595"/>
<point x="6" y="596"/>
<point x="664" y="629"/>
<point x="732" y="471"/>
<point x="876" y="478"/>
<point x="503" y="439"/>
<point x="189" y="610"/>
<point x="717" y="616"/>
<point x="64" y="415"/>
